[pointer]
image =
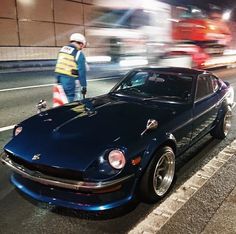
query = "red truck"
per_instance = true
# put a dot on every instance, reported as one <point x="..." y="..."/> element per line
<point x="204" y="37"/>
<point x="202" y="29"/>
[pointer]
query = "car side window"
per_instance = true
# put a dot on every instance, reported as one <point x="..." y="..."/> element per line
<point x="204" y="86"/>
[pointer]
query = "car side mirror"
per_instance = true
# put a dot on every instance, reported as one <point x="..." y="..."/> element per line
<point x="41" y="105"/>
<point x="151" y="125"/>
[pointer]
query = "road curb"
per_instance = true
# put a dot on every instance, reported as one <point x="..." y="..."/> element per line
<point x="165" y="211"/>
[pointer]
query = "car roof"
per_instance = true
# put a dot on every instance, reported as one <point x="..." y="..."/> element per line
<point x="183" y="70"/>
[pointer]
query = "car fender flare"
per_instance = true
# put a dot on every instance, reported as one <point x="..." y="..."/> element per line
<point x="166" y="139"/>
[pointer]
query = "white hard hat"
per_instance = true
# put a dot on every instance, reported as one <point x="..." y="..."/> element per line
<point x="78" y="38"/>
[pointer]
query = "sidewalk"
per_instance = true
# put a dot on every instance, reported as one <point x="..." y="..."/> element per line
<point x="211" y="208"/>
<point x="224" y="220"/>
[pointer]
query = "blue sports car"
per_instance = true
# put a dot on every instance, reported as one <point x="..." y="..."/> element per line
<point x="102" y="152"/>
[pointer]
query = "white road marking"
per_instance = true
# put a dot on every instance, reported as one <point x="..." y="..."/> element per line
<point x="163" y="213"/>
<point x="7" y="128"/>
<point x="107" y="78"/>
<point x="26" y="87"/>
<point x="40" y="86"/>
<point x="48" y="85"/>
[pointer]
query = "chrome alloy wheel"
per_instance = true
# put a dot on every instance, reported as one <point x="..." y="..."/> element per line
<point x="227" y="122"/>
<point x="164" y="173"/>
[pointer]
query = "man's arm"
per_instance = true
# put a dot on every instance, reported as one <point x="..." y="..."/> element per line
<point x="82" y="70"/>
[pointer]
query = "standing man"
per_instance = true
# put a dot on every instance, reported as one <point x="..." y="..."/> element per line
<point x="71" y="67"/>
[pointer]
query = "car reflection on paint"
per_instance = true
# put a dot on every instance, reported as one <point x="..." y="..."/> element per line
<point x="102" y="152"/>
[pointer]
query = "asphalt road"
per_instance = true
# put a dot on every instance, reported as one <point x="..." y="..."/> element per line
<point x="20" y="92"/>
<point x="19" y="214"/>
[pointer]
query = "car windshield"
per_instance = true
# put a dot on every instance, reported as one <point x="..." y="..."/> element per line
<point x="156" y="85"/>
<point x="193" y="12"/>
<point x="129" y="18"/>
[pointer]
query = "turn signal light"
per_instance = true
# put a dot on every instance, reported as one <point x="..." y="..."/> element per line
<point x="136" y="161"/>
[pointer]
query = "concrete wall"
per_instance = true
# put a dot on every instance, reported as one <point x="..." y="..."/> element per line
<point x="35" y="29"/>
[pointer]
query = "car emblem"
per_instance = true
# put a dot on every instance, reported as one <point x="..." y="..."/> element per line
<point x="36" y="157"/>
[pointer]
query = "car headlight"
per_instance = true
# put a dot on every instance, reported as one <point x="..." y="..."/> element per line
<point x="116" y="159"/>
<point x="17" y="130"/>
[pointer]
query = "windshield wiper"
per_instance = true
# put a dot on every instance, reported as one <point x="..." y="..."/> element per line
<point x="162" y="97"/>
<point x="134" y="89"/>
<point x="129" y="90"/>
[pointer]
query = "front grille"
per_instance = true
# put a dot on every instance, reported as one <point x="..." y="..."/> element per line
<point x="47" y="170"/>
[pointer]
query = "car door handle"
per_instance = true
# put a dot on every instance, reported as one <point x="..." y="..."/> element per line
<point x="217" y="104"/>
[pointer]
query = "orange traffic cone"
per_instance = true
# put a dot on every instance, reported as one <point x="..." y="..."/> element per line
<point x="59" y="96"/>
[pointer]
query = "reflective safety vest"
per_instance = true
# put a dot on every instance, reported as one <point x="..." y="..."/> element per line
<point x="66" y="61"/>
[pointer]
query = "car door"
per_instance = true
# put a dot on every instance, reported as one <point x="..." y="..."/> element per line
<point x="182" y="114"/>
<point x="205" y="106"/>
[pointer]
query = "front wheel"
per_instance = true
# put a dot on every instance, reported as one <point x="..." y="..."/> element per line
<point x="222" y="128"/>
<point x="159" y="175"/>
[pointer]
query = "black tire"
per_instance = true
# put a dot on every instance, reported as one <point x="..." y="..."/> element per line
<point x="221" y="130"/>
<point x="154" y="186"/>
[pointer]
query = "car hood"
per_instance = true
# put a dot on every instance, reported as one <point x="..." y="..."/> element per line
<point x="74" y="135"/>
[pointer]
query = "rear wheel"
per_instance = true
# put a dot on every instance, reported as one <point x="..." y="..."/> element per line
<point x="159" y="175"/>
<point x="223" y="127"/>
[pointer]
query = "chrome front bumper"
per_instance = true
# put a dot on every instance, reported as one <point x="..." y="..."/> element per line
<point x="59" y="182"/>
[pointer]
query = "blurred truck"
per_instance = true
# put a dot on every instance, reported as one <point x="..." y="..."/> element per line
<point x="140" y="32"/>
<point x="204" y="37"/>
<point x="208" y="31"/>
<point x="131" y="30"/>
